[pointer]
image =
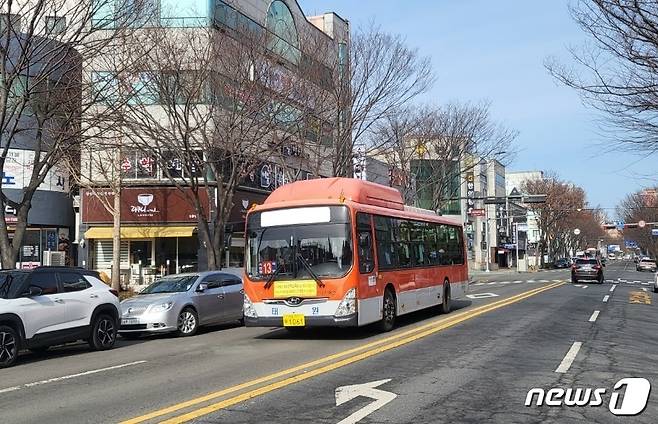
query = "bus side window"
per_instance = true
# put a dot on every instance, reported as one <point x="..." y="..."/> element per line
<point x="364" y="240"/>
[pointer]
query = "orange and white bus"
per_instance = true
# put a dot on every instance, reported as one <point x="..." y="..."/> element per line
<point x="345" y="252"/>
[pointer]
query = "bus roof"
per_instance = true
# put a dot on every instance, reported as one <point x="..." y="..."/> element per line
<point x="338" y="189"/>
<point x="367" y="196"/>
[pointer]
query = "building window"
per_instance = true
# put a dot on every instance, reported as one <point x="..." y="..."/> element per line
<point x="10" y="20"/>
<point x="342" y="59"/>
<point x="55" y="25"/>
<point x="105" y="87"/>
<point x="102" y="14"/>
<point x="283" y="38"/>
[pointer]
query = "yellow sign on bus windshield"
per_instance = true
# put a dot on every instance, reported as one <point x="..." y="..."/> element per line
<point x="301" y="288"/>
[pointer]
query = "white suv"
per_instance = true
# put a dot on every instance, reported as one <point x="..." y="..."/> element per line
<point x="49" y="306"/>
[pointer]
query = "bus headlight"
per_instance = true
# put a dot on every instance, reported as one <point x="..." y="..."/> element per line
<point x="248" y="308"/>
<point x="347" y="305"/>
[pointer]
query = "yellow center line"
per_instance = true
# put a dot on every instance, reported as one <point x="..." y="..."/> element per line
<point x="396" y="340"/>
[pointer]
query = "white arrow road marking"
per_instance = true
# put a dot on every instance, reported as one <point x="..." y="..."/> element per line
<point x="569" y="358"/>
<point x="594" y="316"/>
<point x="347" y="393"/>
<point x="481" y="295"/>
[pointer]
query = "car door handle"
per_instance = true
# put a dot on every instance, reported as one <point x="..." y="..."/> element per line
<point x="94" y="296"/>
<point x="58" y="300"/>
<point x="241" y="291"/>
<point x="221" y="296"/>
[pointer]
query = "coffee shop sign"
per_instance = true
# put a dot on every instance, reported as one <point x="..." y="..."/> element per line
<point x="143" y="208"/>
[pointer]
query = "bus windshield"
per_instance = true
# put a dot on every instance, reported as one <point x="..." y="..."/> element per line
<point x="290" y="250"/>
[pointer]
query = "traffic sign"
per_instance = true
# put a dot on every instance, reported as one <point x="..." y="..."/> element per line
<point x="476" y="212"/>
<point x="620" y="225"/>
<point x="654" y="232"/>
<point x="576" y="231"/>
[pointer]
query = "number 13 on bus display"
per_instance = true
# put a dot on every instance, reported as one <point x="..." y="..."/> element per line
<point x="267" y="267"/>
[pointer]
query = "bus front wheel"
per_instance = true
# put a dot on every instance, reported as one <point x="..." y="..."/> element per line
<point x="446" y="301"/>
<point x="389" y="312"/>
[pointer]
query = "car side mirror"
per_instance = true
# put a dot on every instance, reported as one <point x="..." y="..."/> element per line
<point x="202" y="288"/>
<point x="34" y="291"/>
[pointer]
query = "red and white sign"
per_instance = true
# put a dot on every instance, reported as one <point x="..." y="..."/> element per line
<point x="477" y="212"/>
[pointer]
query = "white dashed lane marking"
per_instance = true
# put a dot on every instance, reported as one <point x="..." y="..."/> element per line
<point x="594" y="316"/>
<point x="569" y="358"/>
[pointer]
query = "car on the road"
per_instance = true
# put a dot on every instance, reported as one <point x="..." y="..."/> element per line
<point x="646" y="264"/>
<point x="587" y="269"/>
<point x="181" y="303"/>
<point x="562" y="263"/>
<point x="49" y="306"/>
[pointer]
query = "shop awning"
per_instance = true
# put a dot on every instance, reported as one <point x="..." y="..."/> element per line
<point x="140" y="232"/>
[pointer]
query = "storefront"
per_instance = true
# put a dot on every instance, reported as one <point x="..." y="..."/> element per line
<point x="159" y="233"/>
<point x="47" y="238"/>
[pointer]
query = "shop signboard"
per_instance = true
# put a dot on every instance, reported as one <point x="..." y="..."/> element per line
<point x="153" y="205"/>
<point x="470" y="193"/>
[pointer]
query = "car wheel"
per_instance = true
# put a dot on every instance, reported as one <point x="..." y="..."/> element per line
<point x="188" y="322"/>
<point x="446" y="304"/>
<point x="8" y="346"/>
<point x="39" y="350"/>
<point x="103" y="332"/>
<point x="389" y="312"/>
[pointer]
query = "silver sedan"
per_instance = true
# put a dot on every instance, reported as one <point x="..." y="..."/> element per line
<point x="181" y="303"/>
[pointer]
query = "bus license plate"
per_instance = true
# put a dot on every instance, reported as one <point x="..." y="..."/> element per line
<point x="294" y="320"/>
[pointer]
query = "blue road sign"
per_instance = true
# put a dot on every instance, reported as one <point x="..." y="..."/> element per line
<point x="654" y="232"/>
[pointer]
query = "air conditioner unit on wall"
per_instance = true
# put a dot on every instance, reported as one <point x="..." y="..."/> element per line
<point x="54" y="258"/>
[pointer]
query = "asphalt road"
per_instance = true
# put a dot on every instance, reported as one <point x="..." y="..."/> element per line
<point x="475" y="364"/>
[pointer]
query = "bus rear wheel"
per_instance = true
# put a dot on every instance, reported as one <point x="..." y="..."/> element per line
<point x="389" y="312"/>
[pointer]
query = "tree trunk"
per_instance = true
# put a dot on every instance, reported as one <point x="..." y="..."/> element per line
<point x="116" y="241"/>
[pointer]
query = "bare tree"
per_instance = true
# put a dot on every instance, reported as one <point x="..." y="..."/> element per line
<point x="562" y="201"/>
<point x="617" y="72"/>
<point x="208" y="112"/>
<point x="44" y="93"/>
<point x="377" y="76"/>
<point x="436" y="146"/>
<point x="639" y="207"/>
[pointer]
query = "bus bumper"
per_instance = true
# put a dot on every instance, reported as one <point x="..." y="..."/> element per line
<point x="311" y="321"/>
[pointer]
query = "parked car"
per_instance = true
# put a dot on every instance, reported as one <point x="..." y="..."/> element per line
<point x="587" y="269"/>
<point x="181" y="303"/>
<point x="562" y="263"/>
<point x="49" y="306"/>
<point x="646" y="264"/>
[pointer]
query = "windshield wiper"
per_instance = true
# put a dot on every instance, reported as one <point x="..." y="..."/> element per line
<point x="310" y="270"/>
<point x="270" y="280"/>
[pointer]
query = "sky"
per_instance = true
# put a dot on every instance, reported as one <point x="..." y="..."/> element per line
<point x="495" y="51"/>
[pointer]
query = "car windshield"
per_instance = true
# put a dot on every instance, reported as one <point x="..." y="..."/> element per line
<point x="290" y="250"/>
<point x="586" y="262"/>
<point x="11" y="284"/>
<point x="171" y="285"/>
